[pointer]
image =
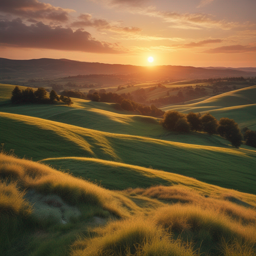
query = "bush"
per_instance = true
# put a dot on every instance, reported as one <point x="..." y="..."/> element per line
<point x="209" y="124"/>
<point x="194" y="121"/>
<point x="182" y="125"/>
<point x="229" y="129"/>
<point x="250" y="138"/>
<point x="170" y="119"/>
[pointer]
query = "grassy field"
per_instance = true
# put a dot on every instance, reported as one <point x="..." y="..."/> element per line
<point x="107" y="182"/>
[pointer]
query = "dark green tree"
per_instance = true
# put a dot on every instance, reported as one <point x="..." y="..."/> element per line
<point x="28" y="95"/>
<point x="40" y="93"/>
<point x="127" y="105"/>
<point x="170" y="119"/>
<point x="194" y="121"/>
<point x="182" y="125"/>
<point x="229" y="130"/>
<point x="54" y="96"/>
<point x="209" y="124"/>
<point x="250" y="138"/>
<point x="16" y="95"/>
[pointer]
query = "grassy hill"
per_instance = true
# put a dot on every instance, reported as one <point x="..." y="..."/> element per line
<point x="48" y="212"/>
<point x="238" y="105"/>
<point x="121" y="180"/>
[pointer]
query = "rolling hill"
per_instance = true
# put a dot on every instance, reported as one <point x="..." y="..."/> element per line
<point x="103" y="180"/>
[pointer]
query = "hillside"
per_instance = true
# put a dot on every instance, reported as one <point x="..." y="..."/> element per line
<point x="238" y="105"/>
<point x="100" y="181"/>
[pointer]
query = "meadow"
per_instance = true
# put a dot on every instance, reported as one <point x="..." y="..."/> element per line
<point x="88" y="179"/>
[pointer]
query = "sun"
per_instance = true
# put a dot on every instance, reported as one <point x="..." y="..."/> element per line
<point x="150" y="59"/>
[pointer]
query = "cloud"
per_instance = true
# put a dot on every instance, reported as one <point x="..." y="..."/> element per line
<point x="122" y="2"/>
<point x="33" y="9"/>
<point x="202" y="43"/>
<point x="86" y="20"/>
<point x="233" y="49"/>
<point x="204" y="2"/>
<point x="189" y="20"/>
<point x="17" y="34"/>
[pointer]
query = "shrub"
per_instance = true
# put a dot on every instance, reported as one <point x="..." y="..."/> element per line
<point x="209" y="124"/>
<point x="182" y="125"/>
<point x="229" y="129"/>
<point x="194" y="121"/>
<point x="250" y="138"/>
<point x="170" y="119"/>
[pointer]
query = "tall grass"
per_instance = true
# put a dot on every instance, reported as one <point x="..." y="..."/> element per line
<point x="131" y="237"/>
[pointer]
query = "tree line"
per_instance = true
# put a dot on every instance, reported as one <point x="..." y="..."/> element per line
<point x="28" y="95"/>
<point x="225" y="127"/>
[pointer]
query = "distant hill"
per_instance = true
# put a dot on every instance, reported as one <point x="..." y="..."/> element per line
<point x="18" y="71"/>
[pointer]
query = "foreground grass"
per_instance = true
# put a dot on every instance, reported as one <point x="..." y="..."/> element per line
<point x="50" y="208"/>
<point x="48" y="212"/>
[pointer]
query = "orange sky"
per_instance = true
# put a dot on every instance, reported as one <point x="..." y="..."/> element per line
<point x="182" y="32"/>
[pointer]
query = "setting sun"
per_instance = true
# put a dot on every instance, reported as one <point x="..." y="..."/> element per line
<point x="150" y="59"/>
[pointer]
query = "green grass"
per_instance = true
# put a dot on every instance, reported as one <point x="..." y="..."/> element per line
<point x="221" y="165"/>
<point x="160" y="193"/>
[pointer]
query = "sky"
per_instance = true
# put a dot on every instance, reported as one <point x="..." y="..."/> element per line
<point x="201" y="33"/>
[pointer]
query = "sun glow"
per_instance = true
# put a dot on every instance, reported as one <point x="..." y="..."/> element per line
<point x="150" y="59"/>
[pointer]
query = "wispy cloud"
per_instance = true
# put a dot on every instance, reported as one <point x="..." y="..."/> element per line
<point x="202" y="43"/>
<point x="233" y="49"/>
<point x="86" y="20"/>
<point x="188" y="20"/>
<point x="204" y="2"/>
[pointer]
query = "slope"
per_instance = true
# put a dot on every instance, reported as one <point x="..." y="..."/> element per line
<point x="40" y="139"/>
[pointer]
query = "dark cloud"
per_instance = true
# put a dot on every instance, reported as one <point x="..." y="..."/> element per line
<point x="202" y="43"/>
<point x="17" y="34"/>
<point x="34" y="9"/>
<point x="86" y="20"/>
<point x="233" y="49"/>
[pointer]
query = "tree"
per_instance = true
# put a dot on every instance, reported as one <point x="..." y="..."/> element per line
<point x="194" y="121"/>
<point x="182" y="125"/>
<point x="66" y="100"/>
<point x="40" y="93"/>
<point x="229" y="129"/>
<point x="250" y="138"/>
<point x="16" y="95"/>
<point x="170" y="119"/>
<point x="54" y="96"/>
<point x="93" y="96"/>
<point x="127" y="105"/>
<point x="209" y="124"/>
<point x="28" y="95"/>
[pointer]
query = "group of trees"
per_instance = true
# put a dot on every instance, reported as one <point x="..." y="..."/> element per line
<point x="226" y="128"/>
<point x="28" y="95"/>
<point x="250" y="137"/>
<point x="125" y="102"/>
